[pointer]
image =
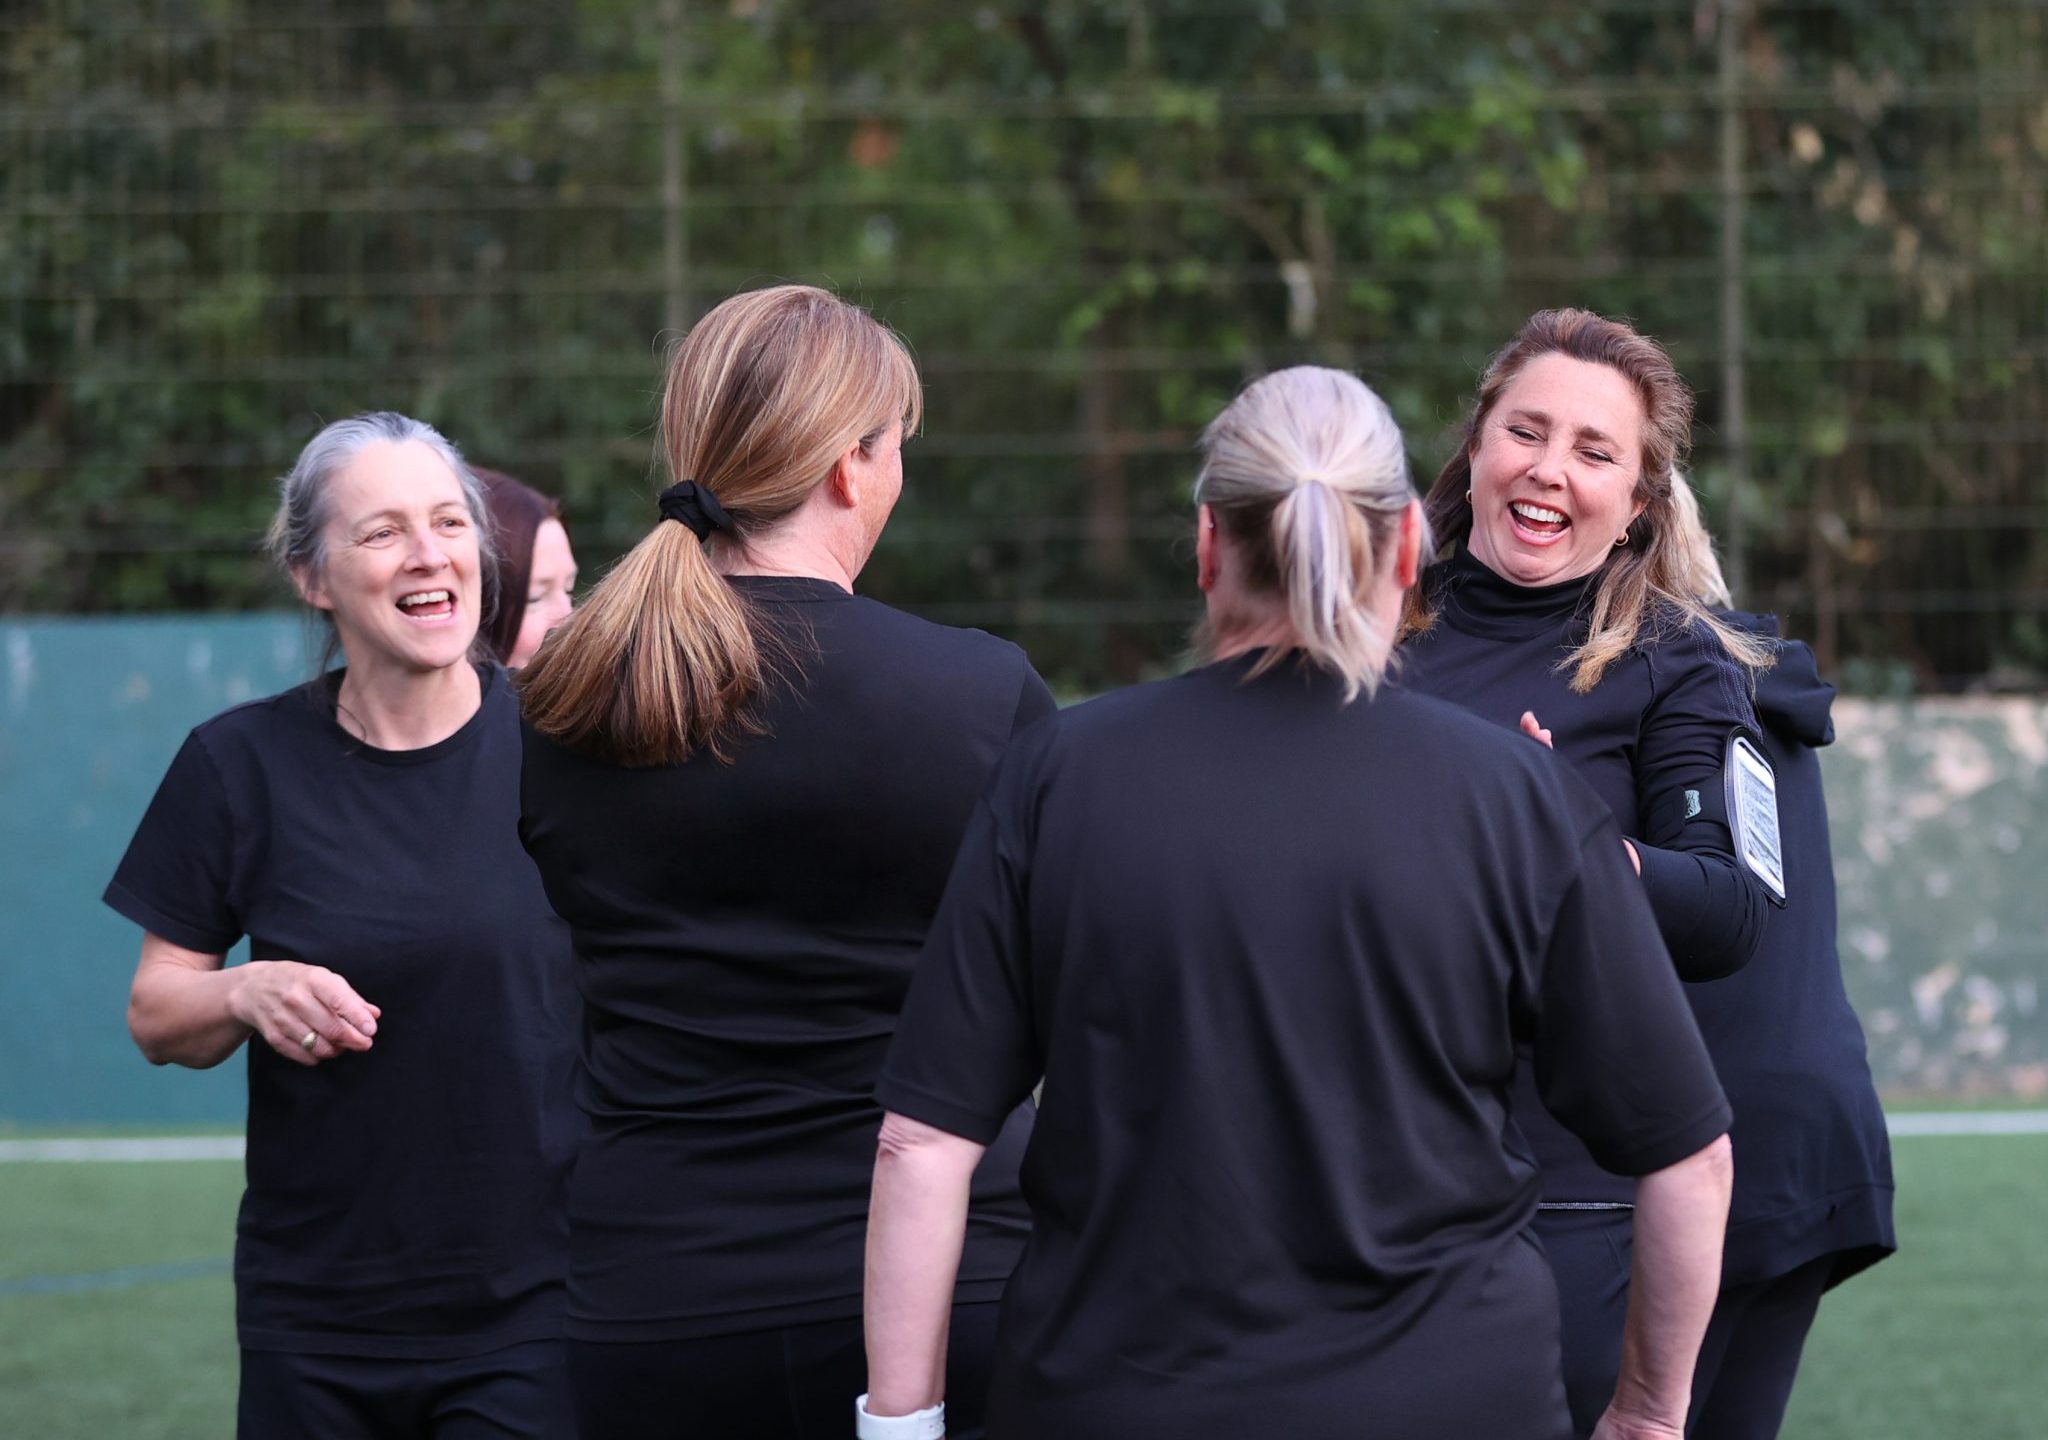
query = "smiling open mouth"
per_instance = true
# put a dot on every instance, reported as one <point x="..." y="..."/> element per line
<point x="1539" y="521"/>
<point x="427" y="604"/>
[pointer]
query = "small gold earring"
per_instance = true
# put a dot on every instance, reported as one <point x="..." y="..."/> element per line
<point x="1468" y="497"/>
<point x="1621" y="539"/>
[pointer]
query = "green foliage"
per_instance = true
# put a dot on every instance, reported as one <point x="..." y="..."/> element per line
<point x="221" y="224"/>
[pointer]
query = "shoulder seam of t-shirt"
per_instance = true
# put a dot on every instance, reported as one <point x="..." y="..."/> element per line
<point x="1025" y="672"/>
<point x="235" y="828"/>
<point x="203" y="746"/>
<point x="1572" y="880"/>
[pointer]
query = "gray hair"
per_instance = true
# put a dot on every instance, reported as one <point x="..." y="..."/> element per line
<point x="1307" y="470"/>
<point x="297" y="539"/>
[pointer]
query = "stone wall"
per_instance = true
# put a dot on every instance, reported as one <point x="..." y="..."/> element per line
<point x="1942" y="863"/>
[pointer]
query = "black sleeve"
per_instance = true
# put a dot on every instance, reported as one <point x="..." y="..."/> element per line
<point x="1709" y="907"/>
<point x="1618" y="1055"/>
<point x="966" y="1050"/>
<point x="175" y="879"/>
<point x="1034" y="700"/>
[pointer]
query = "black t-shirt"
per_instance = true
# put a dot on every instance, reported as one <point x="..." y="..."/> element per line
<point x="1813" y="1174"/>
<point x="1273" y="956"/>
<point x="408" y="1200"/>
<point x="1651" y="739"/>
<point x="745" y="933"/>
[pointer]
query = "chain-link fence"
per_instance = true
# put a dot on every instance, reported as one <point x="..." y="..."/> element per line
<point x="222" y="221"/>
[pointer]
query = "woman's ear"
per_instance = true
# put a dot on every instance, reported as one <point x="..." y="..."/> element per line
<point x="1207" y="562"/>
<point x="311" y="587"/>
<point x="848" y="471"/>
<point x="1408" y="546"/>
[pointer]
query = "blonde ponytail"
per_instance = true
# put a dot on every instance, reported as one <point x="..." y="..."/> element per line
<point x="666" y="658"/>
<point x="1307" y="472"/>
<point x="1326" y="568"/>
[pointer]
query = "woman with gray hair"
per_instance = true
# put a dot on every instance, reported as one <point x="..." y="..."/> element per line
<point x="1271" y="1187"/>
<point x="408" y="998"/>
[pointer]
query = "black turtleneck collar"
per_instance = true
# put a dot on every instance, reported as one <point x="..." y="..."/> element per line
<point x="1474" y="599"/>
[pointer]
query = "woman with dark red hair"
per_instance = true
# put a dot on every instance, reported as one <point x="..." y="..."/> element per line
<point x="536" y="568"/>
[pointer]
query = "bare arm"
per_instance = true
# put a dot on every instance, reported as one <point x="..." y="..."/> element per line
<point x="917" y="1223"/>
<point x="1681" y="1214"/>
<point x="184" y="1008"/>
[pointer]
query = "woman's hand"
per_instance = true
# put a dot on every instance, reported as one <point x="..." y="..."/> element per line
<point x="1542" y="737"/>
<point x="1615" y="1425"/>
<point x="306" y="1013"/>
<point x="186" y="1008"/>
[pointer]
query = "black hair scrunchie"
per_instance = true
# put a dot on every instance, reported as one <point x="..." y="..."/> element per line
<point x="694" y="507"/>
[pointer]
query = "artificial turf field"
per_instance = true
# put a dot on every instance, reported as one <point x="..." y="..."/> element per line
<point x="116" y="1316"/>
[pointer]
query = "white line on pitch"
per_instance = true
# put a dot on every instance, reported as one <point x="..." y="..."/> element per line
<point x="230" y="1147"/>
<point x="163" y="1147"/>
<point x="1970" y="1122"/>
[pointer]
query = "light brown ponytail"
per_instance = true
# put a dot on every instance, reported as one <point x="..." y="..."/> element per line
<point x="762" y="398"/>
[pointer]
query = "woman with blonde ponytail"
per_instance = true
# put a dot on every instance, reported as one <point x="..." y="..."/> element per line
<point x="743" y="787"/>
<point x="1273" y="933"/>
<point x="1564" y="604"/>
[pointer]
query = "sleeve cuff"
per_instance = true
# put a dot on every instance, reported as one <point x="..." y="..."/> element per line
<point x="1670" y="1147"/>
<point x="914" y="1103"/>
<point x="1666" y="873"/>
<point x="125" y="902"/>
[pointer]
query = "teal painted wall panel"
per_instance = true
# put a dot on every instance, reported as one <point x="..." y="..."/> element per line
<point x="91" y="712"/>
<point x="1938" y="851"/>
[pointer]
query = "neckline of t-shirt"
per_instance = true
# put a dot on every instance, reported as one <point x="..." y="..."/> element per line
<point x="1293" y="662"/>
<point x="804" y="589"/>
<point x="328" y="691"/>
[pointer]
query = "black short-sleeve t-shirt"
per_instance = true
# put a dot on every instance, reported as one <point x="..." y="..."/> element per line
<point x="1274" y="956"/>
<point x="408" y="1200"/>
<point x="744" y="935"/>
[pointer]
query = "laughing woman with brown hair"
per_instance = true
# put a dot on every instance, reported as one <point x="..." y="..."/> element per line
<point x="744" y="784"/>
<point x="1560" y="604"/>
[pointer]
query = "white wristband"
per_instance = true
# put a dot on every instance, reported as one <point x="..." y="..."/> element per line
<point x="918" y="1425"/>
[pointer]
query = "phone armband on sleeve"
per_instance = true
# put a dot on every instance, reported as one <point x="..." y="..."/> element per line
<point x="1752" y="799"/>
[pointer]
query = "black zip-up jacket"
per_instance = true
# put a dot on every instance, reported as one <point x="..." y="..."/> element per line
<point x="1652" y="738"/>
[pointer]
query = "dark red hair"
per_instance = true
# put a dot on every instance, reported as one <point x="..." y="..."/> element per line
<point x="517" y="513"/>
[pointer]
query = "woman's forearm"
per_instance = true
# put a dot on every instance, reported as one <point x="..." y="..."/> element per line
<point x="1681" y="1214"/>
<point x="1710" y="910"/>
<point x="917" y="1224"/>
<point x="181" y="1009"/>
